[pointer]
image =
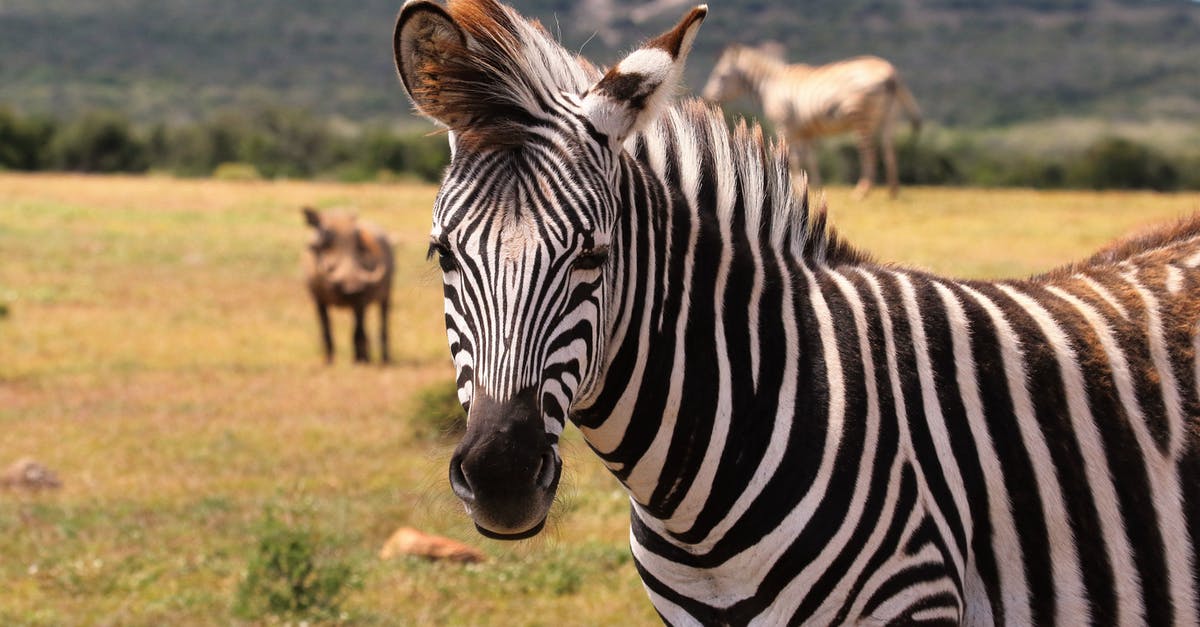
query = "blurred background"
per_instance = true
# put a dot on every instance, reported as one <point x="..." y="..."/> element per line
<point x="1042" y="93"/>
<point x="173" y="448"/>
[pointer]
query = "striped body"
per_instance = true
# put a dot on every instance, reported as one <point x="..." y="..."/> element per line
<point x="806" y="103"/>
<point x="864" y="441"/>
<point x="805" y="435"/>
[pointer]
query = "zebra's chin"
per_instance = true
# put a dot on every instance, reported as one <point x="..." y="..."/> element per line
<point x="523" y="535"/>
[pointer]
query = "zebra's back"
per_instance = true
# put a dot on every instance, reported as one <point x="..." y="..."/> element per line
<point x="827" y="99"/>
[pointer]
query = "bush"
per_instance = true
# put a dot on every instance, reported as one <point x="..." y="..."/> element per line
<point x="1118" y="163"/>
<point x="233" y="171"/>
<point x="99" y="142"/>
<point x="917" y="162"/>
<point x="286" y="143"/>
<point x="194" y="150"/>
<point x="382" y="151"/>
<point x="437" y="413"/>
<point x="23" y="141"/>
<point x="286" y="577"/>
<point x="923" y="163"/>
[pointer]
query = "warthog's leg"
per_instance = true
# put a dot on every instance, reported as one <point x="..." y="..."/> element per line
<point x="326" y="335"/>
<point x="383" y="330"/>
<point x="362" y="353"/>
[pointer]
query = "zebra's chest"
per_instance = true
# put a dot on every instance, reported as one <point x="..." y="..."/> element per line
<point x="868" y="570"/>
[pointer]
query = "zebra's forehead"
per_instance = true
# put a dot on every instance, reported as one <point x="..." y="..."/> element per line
<point x="516" y="205"/>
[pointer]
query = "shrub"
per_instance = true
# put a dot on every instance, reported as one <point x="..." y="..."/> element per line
<point x="437" y="413"/>
<point x="924" y="163"/>
<point x="286" y="575"/>
<point x="23" y="141"/>
<point x="380" y="150"/>
<point x="233" y="171"/>
<point x="99" y="142"/>
<point x="1118" y="163"/>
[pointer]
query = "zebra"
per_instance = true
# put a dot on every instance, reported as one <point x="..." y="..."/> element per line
<point x="806" y="102"/>
<point x="806" y="435"/>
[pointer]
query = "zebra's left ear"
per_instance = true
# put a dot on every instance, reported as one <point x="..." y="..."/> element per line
<point x="636" y="90"/>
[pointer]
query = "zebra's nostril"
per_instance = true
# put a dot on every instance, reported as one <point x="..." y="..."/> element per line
<point x="458" y="481"/>
<point x="545" y="473"/>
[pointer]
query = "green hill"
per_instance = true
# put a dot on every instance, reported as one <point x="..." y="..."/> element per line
<point x="970" y="62"/>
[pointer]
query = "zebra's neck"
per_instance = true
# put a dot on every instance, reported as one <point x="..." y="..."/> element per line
<point x="710" y="331"/>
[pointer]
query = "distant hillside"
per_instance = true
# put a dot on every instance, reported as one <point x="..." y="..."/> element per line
<point x="970" y="62"/>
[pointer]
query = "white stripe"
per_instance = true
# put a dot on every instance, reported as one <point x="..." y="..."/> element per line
<point x="788" y="600"/>
<point x="1104" y="294"/>
<point x="647" y="471"/>
<point x="935" y="422"/>
<point x="1174" y="526"/>
<point x="1071" y="607"/>
<point x="1174" y="279"/>
<point x="1095" y="461"/>
<point x="1006" y="546"/>
<point x="896" y="562"/>
<point x="740" y="576"/>
<point x="1162" y="361"/>
<point x="701" y="487"/>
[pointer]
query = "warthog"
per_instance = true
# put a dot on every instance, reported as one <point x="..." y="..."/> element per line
<point x="349" y="264"/>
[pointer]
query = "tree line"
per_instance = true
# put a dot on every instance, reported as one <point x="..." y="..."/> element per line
<point x="277" y="142"/>
<point x="270" y="142"/>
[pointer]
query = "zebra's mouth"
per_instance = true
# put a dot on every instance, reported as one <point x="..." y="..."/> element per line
<point x="522" y="535"/>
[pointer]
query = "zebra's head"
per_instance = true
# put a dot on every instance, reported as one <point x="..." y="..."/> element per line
<point x="729" y="79"/>
<point x="524" y="230"/>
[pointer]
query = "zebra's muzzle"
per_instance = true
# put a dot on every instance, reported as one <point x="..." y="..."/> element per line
<point x="506" y="471"/>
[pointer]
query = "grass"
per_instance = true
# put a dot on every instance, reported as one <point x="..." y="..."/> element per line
<point x="159" y="352"/>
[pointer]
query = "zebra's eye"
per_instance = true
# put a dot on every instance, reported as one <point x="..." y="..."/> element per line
<point x="445" y="257"/>
<point x="591" y="258"/>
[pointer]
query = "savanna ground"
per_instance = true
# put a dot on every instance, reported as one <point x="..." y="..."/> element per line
<point x="160" y="353"/>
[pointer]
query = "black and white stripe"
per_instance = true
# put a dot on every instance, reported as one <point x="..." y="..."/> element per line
<point x="807" y="435"/>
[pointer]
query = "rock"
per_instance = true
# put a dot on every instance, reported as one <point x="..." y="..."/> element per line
<point x="28" y="474"/>
<point x="409" y="541"/>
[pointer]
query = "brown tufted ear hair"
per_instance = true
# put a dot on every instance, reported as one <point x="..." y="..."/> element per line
<point x="426" y="37"/>
<point x="635" y="91"/>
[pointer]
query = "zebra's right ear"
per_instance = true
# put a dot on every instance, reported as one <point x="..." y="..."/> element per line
<point x="635" y="91"/>
<point x="425" y="37"/>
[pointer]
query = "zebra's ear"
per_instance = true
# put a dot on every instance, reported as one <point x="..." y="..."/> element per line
<point x="424" y="38"/>
<point x="636" y="90"/>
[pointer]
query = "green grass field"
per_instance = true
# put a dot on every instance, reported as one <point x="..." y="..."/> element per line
<point x="160" y="353"/>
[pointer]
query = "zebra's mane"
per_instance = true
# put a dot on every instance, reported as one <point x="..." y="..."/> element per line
<point x="496" y="86"/>
<point x="743" y="162"/>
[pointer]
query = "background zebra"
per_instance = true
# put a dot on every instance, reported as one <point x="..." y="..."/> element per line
<point x="805" y="435"/>
<point x="806" y="102"/>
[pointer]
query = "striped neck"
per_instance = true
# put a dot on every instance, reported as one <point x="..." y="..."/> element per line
<point x="709" y="310"/>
